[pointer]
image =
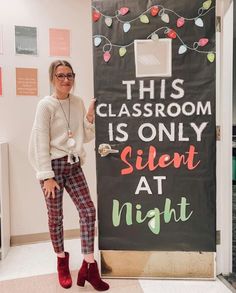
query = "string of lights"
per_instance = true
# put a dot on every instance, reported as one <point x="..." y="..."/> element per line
<point x="169" y="32"/>
<point x="155" y="10"/>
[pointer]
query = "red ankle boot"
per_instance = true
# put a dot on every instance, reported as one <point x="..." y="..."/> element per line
<point x="63" y="271"/>
<point x="89" y="272"/>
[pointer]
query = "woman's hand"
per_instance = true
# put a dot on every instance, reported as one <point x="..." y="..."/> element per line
<point x="91" y="111"/>
<point x="49" y="186"/>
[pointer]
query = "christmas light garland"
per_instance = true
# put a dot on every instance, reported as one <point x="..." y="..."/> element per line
<point x="155" y="10"/>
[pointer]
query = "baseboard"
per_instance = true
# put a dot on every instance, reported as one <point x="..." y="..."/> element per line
<point x="42" y="237"/>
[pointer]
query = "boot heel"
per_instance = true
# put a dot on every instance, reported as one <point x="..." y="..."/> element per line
<point x="81" y="282"/>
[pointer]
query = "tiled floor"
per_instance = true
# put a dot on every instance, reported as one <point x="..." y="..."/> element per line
<point x="32" y="269"/>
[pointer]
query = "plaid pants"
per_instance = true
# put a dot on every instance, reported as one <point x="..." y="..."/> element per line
<point x="71" y="177"/>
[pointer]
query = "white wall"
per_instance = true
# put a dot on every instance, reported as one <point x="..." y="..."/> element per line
<point x="234" y="64"/>
<point x="27" y="207"/>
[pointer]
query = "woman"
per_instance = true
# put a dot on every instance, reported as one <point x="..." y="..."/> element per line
<point x="60" y="129"/>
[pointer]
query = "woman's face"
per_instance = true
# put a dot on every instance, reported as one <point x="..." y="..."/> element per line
<point x="63" y="80"/>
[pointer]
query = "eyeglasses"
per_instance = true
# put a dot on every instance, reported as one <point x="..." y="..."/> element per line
<point x="62" y="76"/>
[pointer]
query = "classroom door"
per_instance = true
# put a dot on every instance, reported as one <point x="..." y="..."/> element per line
<point x="154" y="80"/>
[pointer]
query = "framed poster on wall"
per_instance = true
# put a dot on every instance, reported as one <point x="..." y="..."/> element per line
<point x="26" y="40"/>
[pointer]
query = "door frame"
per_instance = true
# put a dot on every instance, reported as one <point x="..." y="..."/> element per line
<point x="224" y="102"/>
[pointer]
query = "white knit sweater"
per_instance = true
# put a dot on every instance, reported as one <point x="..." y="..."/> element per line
<point x="49" y="133"/>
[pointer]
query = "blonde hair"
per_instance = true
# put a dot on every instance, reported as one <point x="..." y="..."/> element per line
<point x="54" y="66"/>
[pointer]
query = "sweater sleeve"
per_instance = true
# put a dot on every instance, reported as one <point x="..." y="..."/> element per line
<point x="89" y="128"/>
<point x="39" y="145"/>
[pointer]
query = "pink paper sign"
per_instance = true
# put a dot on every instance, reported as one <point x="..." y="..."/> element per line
<point x="59" y="40"/>
<point x="26" y="82"/>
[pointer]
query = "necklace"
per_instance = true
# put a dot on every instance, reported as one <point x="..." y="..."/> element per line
<point x="70" y="141"/>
